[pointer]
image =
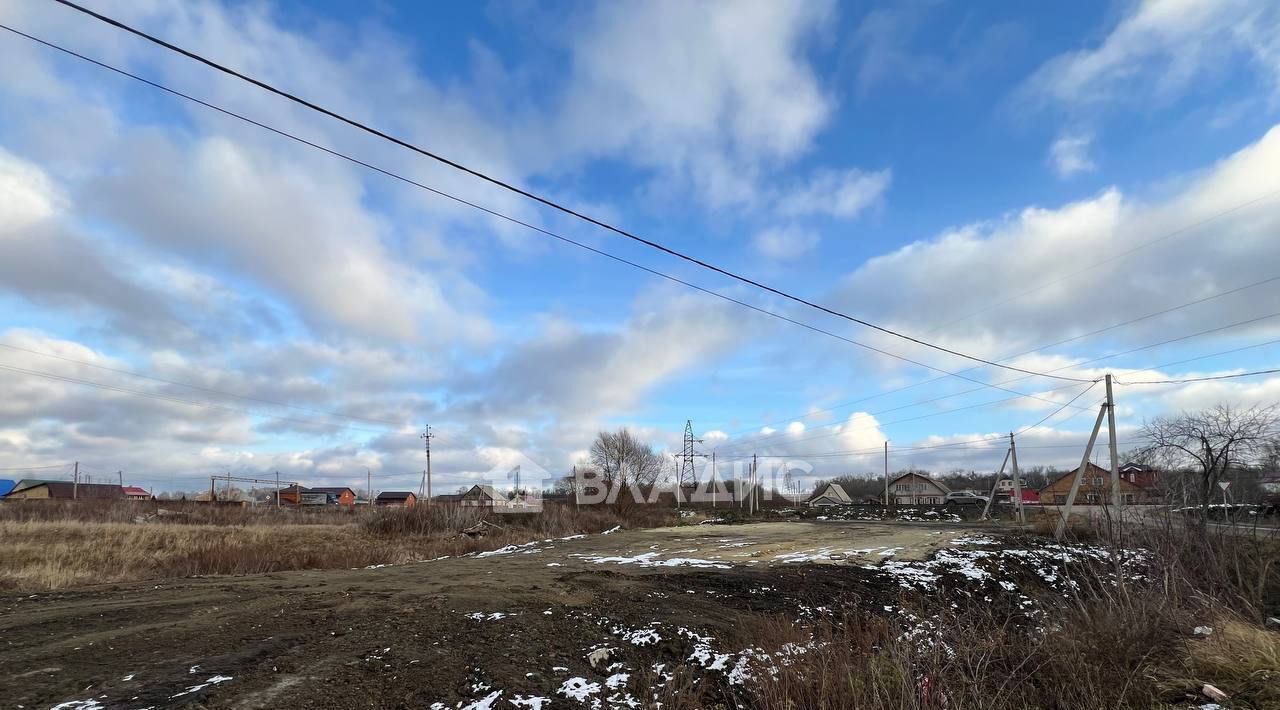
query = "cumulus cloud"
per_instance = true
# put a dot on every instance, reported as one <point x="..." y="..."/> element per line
<point x="579" y="374"/>
<point x="705" y="93"/>
<point x="1047" y="273"/>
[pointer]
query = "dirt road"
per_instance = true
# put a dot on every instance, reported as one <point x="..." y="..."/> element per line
<point x="518" y="627"/>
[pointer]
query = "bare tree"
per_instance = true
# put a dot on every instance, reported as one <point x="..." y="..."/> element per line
<point x="624" y="460"/>
<point x="1211" y="442"/>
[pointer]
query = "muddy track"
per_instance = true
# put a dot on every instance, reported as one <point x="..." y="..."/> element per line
<point x="443" y="631"/>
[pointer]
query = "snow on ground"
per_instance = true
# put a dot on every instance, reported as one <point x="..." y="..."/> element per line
<point x="650" y="559"/>
<point x="578" y="688"/>
<point x="490" y="616"/>
<point x="213" y="680"/>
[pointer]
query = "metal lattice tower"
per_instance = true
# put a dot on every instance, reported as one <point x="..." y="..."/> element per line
<point x="687" y="476"/>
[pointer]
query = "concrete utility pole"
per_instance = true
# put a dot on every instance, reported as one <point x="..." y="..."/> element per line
<point x="1065" y="512"/>
<point x="277" y="489"/>
<point x="426" y="437"/>
<point x="1115" y="458"/>
<point x="986" y="510"/>
<point x="368" y="486"/>
<point x="1017" y="480"/>
<point x="75" y="481"/>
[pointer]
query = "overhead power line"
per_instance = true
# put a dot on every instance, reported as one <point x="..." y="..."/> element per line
<point x="1063" y="341"/>
<point x="879" y="425"/>
<point x="527" y="225"/>
<point x="1130" y="351"/>
<point x="1200" y="379"/>
<point x="528" y="194"/>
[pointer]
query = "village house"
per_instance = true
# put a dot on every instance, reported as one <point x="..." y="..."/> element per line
<point x="135" y="493"/>
<point x="63" y="490"/>
<point x="396" y="499"/>
<point x="336" y="496"/>
<point x="1095" y="489"/>
<point x="829" y="494"/>
<point x="483" y="495"/>
<point x="917" y="489"/>
<point x="1140" y="475"/>
<point x="289" y="496"/>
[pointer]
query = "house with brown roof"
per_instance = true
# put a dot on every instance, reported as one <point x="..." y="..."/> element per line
<point x="1095" y="489"/>
<point x="396" y="499"/>
<point x="63" y="490"/>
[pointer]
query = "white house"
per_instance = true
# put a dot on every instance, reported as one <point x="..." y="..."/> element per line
<point x="915" y="489"/>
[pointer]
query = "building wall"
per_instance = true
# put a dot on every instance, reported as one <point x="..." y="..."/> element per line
<point x="916" y="490"/>
<point x="1095" y="489"/>
<point x="34" y="493"/>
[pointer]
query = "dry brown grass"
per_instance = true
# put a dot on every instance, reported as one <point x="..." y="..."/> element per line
<point x="42" y="551"/>
<point x="1107" y="646"/>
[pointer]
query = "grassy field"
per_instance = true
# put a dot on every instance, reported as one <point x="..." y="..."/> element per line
<point x="58" y="545"/>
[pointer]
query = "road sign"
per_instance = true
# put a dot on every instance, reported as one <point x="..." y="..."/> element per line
<point x="1224" y="484"/>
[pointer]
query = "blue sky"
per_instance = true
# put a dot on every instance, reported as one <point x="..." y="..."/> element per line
<point x="995" y="178"/>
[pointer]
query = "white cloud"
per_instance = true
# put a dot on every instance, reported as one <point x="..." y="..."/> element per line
<point x="27" y="195"/>
<point x="1070" y="155"/>
<point x="705" y="93"/>
<point x="1159" y="48"/>
<point x="1203" y="239"/>
<point x="843" y="194"/>
<point x="784" y="243"/>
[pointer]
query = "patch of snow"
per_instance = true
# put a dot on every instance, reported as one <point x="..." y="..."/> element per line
<point x="650" y="559"/>
<point x="578" y="688"/>
<point x="533" y="702"/>
<point x="642" y="637"/>
<point x="485" y="703"/>
<point x="617" y="680"/>
<point x="213" y="680"/>
<point x="612" y="530"/>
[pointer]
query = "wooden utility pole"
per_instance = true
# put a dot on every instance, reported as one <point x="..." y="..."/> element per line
<point x="1065" y="512"/>
<point x="1017" y="480"/>
<point x="368" y="486"/>
<point x="277" y="489"/>
<point x="1115" y="458"/>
